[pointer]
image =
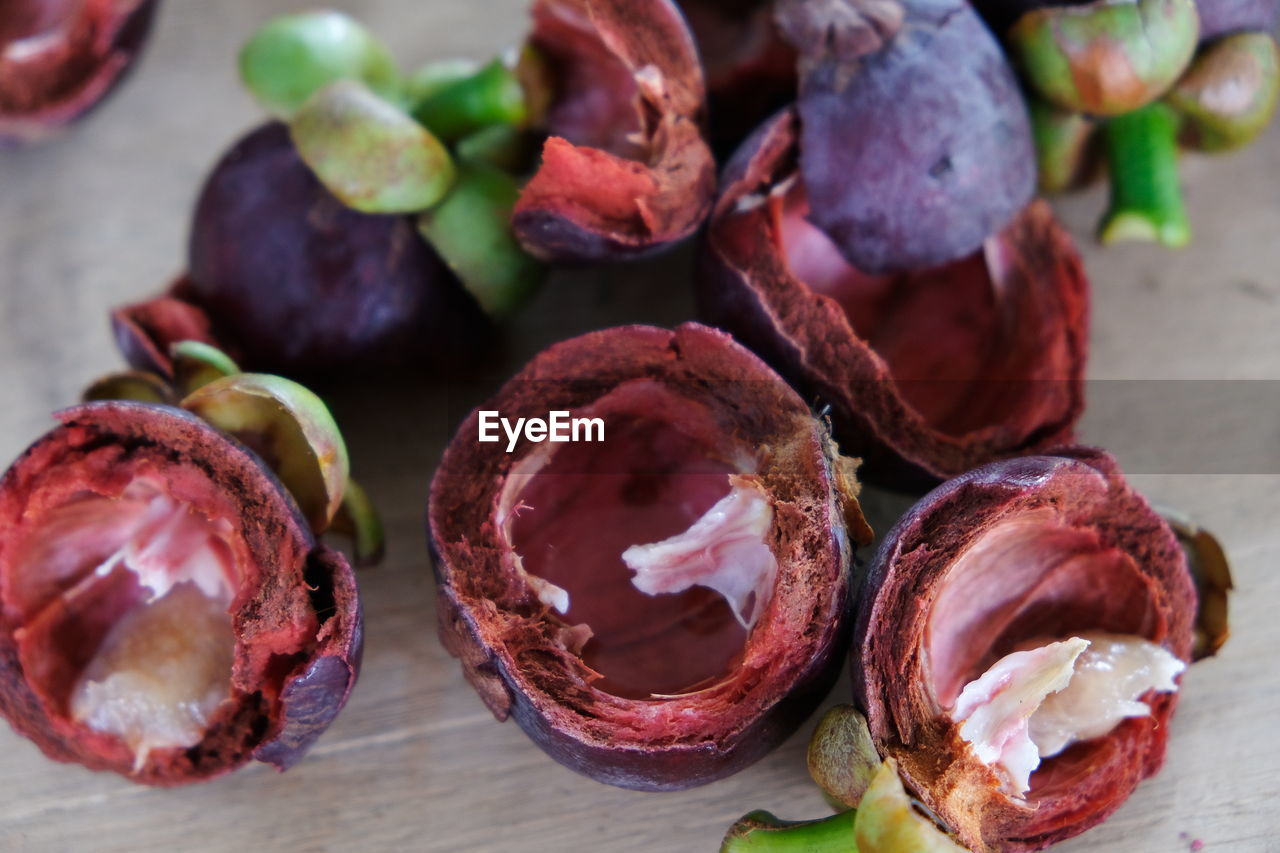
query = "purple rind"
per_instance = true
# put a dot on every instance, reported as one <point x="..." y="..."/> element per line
<point x="293" y="281"/>
<point x="917" y="153"/>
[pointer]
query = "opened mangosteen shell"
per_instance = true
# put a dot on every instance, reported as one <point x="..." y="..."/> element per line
<point x="522" y="661"/>
<point x="626" y="170"/>
<point x="1139" y="586"/>
<point x="44" y="90"/>
<point x="288" y="279"/>
<point x="296" y="616"/>
<point x="1031" y="273"/>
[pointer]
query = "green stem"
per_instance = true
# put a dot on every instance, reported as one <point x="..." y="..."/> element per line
<point x="761" y="832"/>
<point x="1146" y="200"/>
<point x="471" y="231"/>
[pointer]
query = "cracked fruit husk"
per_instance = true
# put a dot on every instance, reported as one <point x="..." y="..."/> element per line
<point x="1001" y="602"/>
<point x="167" y="612"/>
<point x="928" y="373"/>
<point x="718" y="488"/>
<point x="626" y="170"/>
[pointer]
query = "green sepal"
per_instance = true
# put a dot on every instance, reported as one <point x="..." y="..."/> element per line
<point x="370" y="153"/>
<point x="471" y="231"/>
<point x="292" y="57"/>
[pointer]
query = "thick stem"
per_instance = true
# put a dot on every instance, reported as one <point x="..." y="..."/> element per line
<point x="761" y="832"/>
<point x="1146" y="200"/>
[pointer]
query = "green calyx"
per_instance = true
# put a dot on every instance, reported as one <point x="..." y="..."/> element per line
<point x="888" y="821"/>
<point x="357" y="518"/>
<point x="1064" y="145"/>
<point x="290" y="428"/>
<point x="292" y="57"/>
<point x="435" y="76"/>
<point x="490" y="96"/>
<point x="761" y="832"/>
<point x="471" y="230"/>
<point x="287" y="425"/>
<point x="381" y="145"/>
<point x="196" y="364"/>
<point x="1107" y="57"/>
<point x="368" y="152"/>
<point x="136" y="385"/>
<point x="499" y="146"/>
<point x="1146" y="199"/>
<point x="1228" y="95"/>
<point x="842" y="756"/>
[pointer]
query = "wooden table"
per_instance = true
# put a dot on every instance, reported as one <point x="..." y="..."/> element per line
<point x="415" y="761"/>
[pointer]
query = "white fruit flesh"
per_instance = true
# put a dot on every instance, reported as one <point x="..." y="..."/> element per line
<point x="1034" y="703"/>
<point x="724" y="550"/>
<point x="163" y="669"/>
<point x="160" y="674"/>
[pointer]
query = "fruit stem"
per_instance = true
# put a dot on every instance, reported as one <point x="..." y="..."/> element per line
<point x="761" y="832"/>
<point x="1146" y="200"/>
<point x="471" y="231"/>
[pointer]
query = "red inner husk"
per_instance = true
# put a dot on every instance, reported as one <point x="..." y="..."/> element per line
<point x="948" y="338"/>
<point x="1032" y="577"/>
<point x="68" y="606"/>
<point x="23" y="19"/>
<point x="594" y="92"/>
<point x="586" y="503"/>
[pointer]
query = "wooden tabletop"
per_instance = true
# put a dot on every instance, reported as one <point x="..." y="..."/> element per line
<point x="415" y="762"/>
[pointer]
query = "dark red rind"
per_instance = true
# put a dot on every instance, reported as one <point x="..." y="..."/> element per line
<point x="746" y="286"/>
<point x="318" y="690"/>
<point x="145" y="331"/>
<point x="1085" y="490"/>
<point x="296" y="282"/>
<point x="518" y="660"/>
<point x="626" y="170"/>
<point x="99" y="447"/>
<point x="41" y="95"/>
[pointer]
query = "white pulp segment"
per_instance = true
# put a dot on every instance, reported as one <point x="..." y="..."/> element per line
<point x="1034" y="703"/>
<point x="160" y="674"/>
<point x="165" y="666"/>
<point x="724" y="550"/>
<point x="1109" y="678"/>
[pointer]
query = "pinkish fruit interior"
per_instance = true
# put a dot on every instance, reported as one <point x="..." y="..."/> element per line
<point x="945" y="333"/>
<point x="124" y="606"/>
<point x="1027" y="578"/>
<point x="26" y="18"/>
<point x="593" y="97"/>
<point x="570" y="511"/>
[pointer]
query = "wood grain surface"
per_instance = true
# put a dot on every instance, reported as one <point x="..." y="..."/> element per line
<point x="415" y="762"/>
